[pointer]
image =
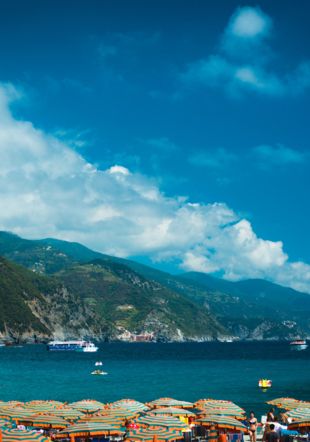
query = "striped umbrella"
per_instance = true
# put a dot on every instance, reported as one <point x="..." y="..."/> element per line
<point x="87" y="429"/>
<point x="153" y="434"/>
<point x="87" y="406"/>
<point x="302" y="423"/>
<point x="131" y="404"/>
<point x="15" y="413"/>
<point x="298" y="413"/>
<point x="169" y="422"/>
<point x="121" y="413"/>
<point x="43" y="406"/>
<point x="70" y="414"/>
<point x="4" y="423"/>
<point x="15" y="404"/>
<point x="170" y="402"/>
<point x="46" y="421"/>
<point x="106" y="420"/>
<point x="15" y="435"/>
<point x="285" y="402"/>
<point x="228" y="423"/>
<point x="172" y="411"/>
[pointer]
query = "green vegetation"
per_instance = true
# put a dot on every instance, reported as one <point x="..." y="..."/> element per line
<point x="91" y="293"/>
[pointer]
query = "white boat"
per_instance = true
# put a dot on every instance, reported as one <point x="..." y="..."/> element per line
<point x="299" y="344"/>
<point x="99" y="373"/>
<point x="83" y="346"/>
<point x="98" y="364"/>
<point x="88" y="347"/>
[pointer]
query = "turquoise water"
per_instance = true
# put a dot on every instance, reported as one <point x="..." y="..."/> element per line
<point x="148" y="371"/>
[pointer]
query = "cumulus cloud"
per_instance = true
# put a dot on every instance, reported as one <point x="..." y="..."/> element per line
<point x="243" y="62"/>
<point x="48" y="189"/>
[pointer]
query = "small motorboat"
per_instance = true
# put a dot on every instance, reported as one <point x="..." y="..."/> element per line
<point x="98" y="364"/>
<point x="99" y="373"/>
<point x="264" y="384"/>
<point x="299" y="344"/>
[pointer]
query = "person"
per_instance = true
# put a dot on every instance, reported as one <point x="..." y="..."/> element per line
<point x="271" y="435"/>
<point x="270" y="415"/>
<point x="252" y="426"/>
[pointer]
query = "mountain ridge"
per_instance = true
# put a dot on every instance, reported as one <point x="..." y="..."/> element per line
<point x="249" y="309"/>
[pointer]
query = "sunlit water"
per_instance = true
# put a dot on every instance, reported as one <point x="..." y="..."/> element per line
<point x="148" y="371"/>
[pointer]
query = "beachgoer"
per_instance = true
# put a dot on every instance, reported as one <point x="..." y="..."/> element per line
<point x="271" y="435"/>
<point x="252" y="426"/>
<point x="270" y="415"/>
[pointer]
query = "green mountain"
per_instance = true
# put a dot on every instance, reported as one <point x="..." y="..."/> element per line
<point x="127" y="295"/>
<point x="131" y="302"/>
<point x="118" y="299"/>
<point x="34" y="305"/>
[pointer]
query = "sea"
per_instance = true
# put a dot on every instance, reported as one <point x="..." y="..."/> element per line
<point x="146" y="371"/>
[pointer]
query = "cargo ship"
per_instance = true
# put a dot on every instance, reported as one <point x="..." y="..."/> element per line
<point x="83" y="346"/>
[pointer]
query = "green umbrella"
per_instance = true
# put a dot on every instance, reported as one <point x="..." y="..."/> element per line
<point x="130" y="404"/>
<point x="46" y="421"/>
<point x="15" y="413"/>
<point x="153" y="434"/>
<point x="106" y="420"/>
<point x="87" y="406"/>
<point x="70" y="414"/>
<point x="297" y="425"/>
<point x="298" y="413"/>
<point x="169" y="422"/>
<point x="172" y="411"/>
<point x="87" y="429"/>
<point x="15" y="435"/>
<point x="170" y="402"/>
<point x="222" y="422"/>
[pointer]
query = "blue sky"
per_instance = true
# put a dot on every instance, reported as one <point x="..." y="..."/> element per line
<point x="201" y="103"/>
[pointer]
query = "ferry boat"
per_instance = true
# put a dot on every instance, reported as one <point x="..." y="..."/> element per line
<point x="83" y="346"/>
<point x="299" y="344"/>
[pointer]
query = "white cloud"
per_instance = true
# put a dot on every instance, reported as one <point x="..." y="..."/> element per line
<point x="276" y="155"/>
<point x="215" y="159"/>
<point x="48" y="189"/>
<point x="243" y="62"/>
<point x="249" y="22"/>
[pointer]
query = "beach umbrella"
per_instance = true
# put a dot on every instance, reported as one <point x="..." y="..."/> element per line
<point x="298" y="413"/>
<point x="131" y="404"/>
<point x="286" y="403"/>
<point x="88" y="429"/>
<point x="87" y="406"/>
<point x="172" y="411"/>
<point x="300" y="424"/>
<point x="15" y="404"/>
<point x="153" y="434"/>
<point x="70" y="414"/>
<point x="169" y="422"/>
<point x="15" y="413"/>
<point x="15" y="435"/>
<point x="5" y="423"/>
<point x="122" y="413"/>
<point x="46" y="421"/>
<point x="170" y="402"/>
<point x="47" y="405"/>
<point x="222" y="422"/>
<point x="106" y="420"/>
